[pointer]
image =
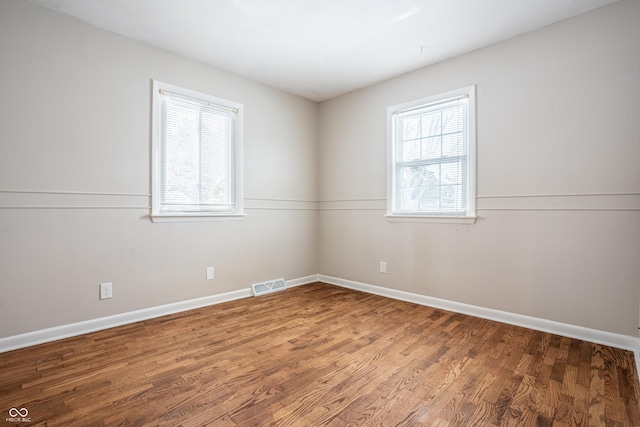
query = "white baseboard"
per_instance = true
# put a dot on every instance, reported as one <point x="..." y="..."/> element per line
<point x="302" y="280"/>
<point x="572" y="331"/>
<point x="65" y="331"/>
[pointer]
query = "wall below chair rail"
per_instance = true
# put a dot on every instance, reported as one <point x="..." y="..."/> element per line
<point x="84" y="327"/>
<point x="572" y="331"/>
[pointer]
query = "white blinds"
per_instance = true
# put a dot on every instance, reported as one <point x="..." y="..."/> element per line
<point x="196" y="155"/>
<point x="431" y="158"/>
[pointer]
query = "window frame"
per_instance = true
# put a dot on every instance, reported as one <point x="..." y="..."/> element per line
<point x="157" y="214"/>
<point x="418" y="216"/>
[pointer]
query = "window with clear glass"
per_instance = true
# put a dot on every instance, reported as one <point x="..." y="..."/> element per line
<point x="432" y="156"/>
<point x="196" y="150"/>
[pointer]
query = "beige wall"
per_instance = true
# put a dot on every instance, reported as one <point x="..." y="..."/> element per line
<point x="558" y="113"/>
<point x="74" y="111"/>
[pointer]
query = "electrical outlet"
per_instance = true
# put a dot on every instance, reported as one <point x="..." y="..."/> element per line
<point x="106" y="290"/>
<point x="210" y="273"/>
<point x="383" y="266"/>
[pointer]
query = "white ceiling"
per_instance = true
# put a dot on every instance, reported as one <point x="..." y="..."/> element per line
<point x="319" y="49"/>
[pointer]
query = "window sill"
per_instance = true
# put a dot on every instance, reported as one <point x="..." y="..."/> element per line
<point x="432" y="219"/>
<point x="195" y="217"/>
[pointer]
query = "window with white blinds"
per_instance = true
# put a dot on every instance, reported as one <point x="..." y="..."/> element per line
<point x="196" y="148"/>
<point x="432" y="156"/>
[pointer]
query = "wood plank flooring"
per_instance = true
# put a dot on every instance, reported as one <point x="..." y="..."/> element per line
<point x="320" y="355"/>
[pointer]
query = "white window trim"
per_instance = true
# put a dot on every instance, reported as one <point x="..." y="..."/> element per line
<point x="470" y="217"/>
<point x="156" y="214"/>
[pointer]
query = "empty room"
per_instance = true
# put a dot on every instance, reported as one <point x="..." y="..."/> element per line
<point x="305" y="213"/>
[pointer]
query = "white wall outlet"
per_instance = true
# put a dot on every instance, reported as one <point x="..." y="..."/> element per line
<point x="210" y="274"/>
<point x="383" y="266"/>
<point x="106" y="290"/>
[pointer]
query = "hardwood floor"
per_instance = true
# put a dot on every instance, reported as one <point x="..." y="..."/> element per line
<point x="320" y="355"/>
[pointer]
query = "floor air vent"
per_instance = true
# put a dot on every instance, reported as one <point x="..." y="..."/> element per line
<point x="268" y="287"/>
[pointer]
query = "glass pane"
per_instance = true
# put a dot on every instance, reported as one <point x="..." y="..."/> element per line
<point x="452" y="145"/>
<point x="215" y="159"/>
<point x="420" y="176"/>
<point x="409" y="177"/>
<point x="409" y="199"/>
<point x="409" y="151"/>
<point x="430" y="199"/>
<point x="432" y="147"/>
<point x="431" y="124"/>
<point x="451" y="197"/>
<point x="451" y="173"/>
<point x="419" y="186"/>
<point x="452" y="119"/>
<point x="410" y="128"/>
<point x="180" y="154"/>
